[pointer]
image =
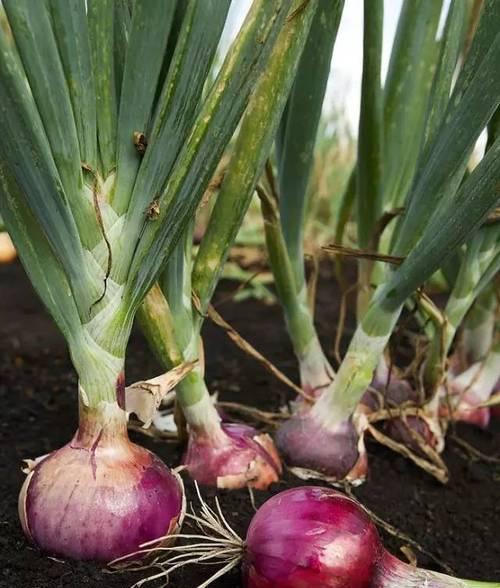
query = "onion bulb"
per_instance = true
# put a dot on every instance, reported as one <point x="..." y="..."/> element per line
<point x="313" y="448"/>
<point x="319" y="537"/>
<point x="232" y="456"/>
<point x="100" y="496"/>
<point x="308" y="537"/>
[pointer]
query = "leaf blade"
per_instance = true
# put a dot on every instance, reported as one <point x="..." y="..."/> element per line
<point x="149" y="34"/>
<point x="212" y="130"/>
<point x="299" y="128"/>
<point x="444" y="162"/>
<point x="252" y="147"/>
<point x="71" y="31"/>
<point x="101" y="31"/>
<point x="26" y="154"/>
<point x="177" y="104"/>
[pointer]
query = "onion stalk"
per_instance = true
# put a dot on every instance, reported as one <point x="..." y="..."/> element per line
<point x="284" y="203"/>
<point x="108" y="144"/>
<point x="306" y="536"/>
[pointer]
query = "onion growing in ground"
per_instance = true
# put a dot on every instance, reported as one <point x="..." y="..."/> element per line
<point x="218" y="454"/>
<point x="389" y="390"/>
<point x="100" y="496"/>
<point x="304" y="537"/>
<point x="224" y="454"/>
<point x="438" y="221"/>
<point x="235" y="456"/>
<point x="314" y="443"/>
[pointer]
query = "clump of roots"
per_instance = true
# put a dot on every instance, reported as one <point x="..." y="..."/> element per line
<point x="215" y="543"/>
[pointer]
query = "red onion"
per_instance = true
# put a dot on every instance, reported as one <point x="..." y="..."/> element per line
<point x="232" y="456"/>
<point x="308" y="537"/>
<point x="313" y="536"/>
<point x="415" y="431"/>
<point x="314" y="449"/>
<point x="388" y="390"/>
<point x="100" y="496"/>
<point x="468" y="390"/>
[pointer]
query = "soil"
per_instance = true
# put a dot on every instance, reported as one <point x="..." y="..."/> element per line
<point x="457" y="524"/>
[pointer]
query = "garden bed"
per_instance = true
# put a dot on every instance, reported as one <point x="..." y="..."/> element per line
<point x="456" y="523"/>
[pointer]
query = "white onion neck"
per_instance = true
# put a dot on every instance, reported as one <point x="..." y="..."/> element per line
<point x="481" y="377"/>
<point x="393" y="573"/>
<point x="203" y="419"/>
<point x="106" y="423"/>
<point x="316" y="373"/>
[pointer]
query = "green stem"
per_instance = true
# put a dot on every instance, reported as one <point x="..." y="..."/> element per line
<point x="359" y="364"/>
<point x="251" y="150"/>
<point x="176" y="284"/>
<point x="157" y="324"/>
<point x="297" y="313"/>
<point x="315" y="369"/>
<point x="296" y="138"/>
<point x="477" y="268"/>
<point x="365" y="272"/>
<point x="479" y="326"/>
<point x="191" y="389"/>
<point x="455" y="311"/>
<point x="197" y="406"/>
<point x="370" y="143"/>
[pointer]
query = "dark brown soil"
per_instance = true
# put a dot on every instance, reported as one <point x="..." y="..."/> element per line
<point x="457" y="523"/>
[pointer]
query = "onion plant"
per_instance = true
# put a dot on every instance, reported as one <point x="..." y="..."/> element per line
<point x="284" y="205"/>
<point x="225" y="454"/>
<point x="111" y="131"/>
<point x="415" y="139"/>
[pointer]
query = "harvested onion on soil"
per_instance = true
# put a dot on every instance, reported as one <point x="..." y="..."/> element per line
<point x="303" y="537"/>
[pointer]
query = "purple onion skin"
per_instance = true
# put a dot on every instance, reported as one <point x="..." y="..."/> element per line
<point x="314" y="537"/>
<point x="311" y="537"/>
<point x="403" y="431"/>
<point x="99" y="498"/>
<point x="235" y="457"/>
<point x="395" y="391"/>
<point x="305" y="443"/>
